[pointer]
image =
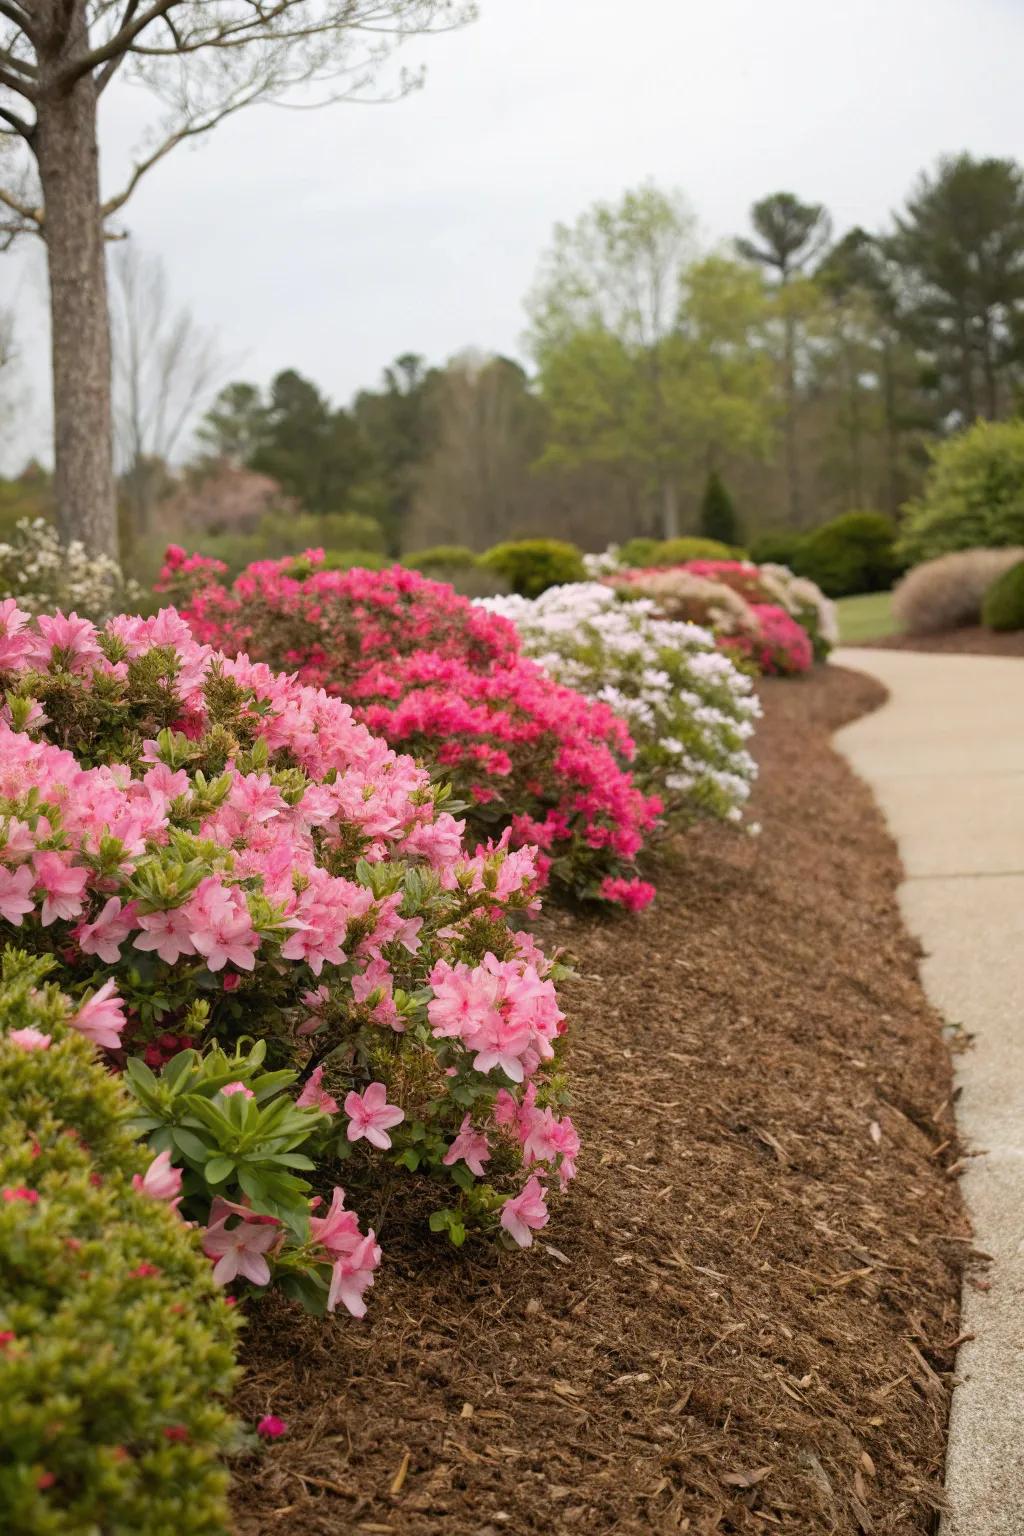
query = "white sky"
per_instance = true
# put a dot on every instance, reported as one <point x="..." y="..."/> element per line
<point x="332" y="241"/>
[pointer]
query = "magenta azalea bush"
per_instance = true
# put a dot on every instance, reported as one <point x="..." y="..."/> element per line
<point x="266" y="917"/>
<point x="445" y="680"/>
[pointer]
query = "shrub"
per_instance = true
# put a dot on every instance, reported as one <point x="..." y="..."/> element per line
<point x="781" y="548"/>
<point x="853" y="553"/>
<point x="530" y="566"/>
<point x="718" y="519"/>
<point x="447" y="557"/>
<point x="116" y="1347"/>
<point x="804" y="601"/>
<point x="443" y="678"/>
<point x="354" y="560"/>
<point x="731" y="598"/>
<point x="689" y="710"/>
<point x="949" y="591"/>
<point x="41" y="575"/>
<point x="1003" y="608"/>
<point x="636" y="552"/>
<point x="215" y="852"/>
<point x="682" y="551"/>
<point x="973" y="495"/>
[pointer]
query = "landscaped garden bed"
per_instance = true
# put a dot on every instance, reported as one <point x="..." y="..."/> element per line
<point x="745" y="1317"/>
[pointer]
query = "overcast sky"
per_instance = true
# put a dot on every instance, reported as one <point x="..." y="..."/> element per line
<point x="332" y="241"/>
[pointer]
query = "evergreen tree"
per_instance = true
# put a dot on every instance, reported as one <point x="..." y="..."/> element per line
<point x="717" y="514"/>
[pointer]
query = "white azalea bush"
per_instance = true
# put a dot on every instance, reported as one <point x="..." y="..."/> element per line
<point x="690" y="710"/>
<point x="42" y="575"/>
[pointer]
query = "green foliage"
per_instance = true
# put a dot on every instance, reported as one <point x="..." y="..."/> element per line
<point x="354" y="559"/>
<point x="530" y="566"/>
<point x="852" y="553"/>
<point x="1003" y="607"/>
<point x="718" y="518"/>
<point x="117" y="1347"/>
<point x="780" y="548"/>
<point x="445" y="557"/>
<point x="973" y="495"/>
<point x="639" y="552"/>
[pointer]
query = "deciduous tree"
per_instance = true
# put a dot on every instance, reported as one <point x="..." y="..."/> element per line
<point x="203" y="59"/>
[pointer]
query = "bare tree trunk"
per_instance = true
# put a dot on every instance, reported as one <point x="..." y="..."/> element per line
<point x="792" y="452"/>
<point x="68" y="157"/>
<point x="669" y="509"/>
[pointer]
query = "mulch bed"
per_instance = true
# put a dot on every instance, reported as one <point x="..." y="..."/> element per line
<point x="742" y="1317"/>
<point x="972" y="639"/>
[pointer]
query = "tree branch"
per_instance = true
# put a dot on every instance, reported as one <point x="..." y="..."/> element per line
<point x="14" y="83"/>
<point x="117" y="45"/>
<point x="19" y="17"/>
<point x="110" y="68"/>
<point x="113" y="204"/>
<point x="19" y="125"/>
<point x="31" y="217"/>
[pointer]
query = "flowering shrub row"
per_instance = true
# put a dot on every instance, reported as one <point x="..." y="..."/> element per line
<point x="444" y="679"/>
<point x="116" y="1348"/>
<point x="42" y="576"/>
<point x="273" y="913"/>
<point x="743" y="606"/>
<point x="689" y="709"/>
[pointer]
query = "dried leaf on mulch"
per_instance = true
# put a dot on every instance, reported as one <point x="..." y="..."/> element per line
<point x="741" y="1318"/>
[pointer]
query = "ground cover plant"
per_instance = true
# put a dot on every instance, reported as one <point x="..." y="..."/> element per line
<point x="116" y="1345"/>
<point x="267" y="917"/>
<point x="690" y="711"/>
<point x="445" y="680"/>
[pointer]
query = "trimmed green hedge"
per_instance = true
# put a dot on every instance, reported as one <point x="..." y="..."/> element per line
<point x="530" y="566"/>
<point x="447" y="557"/>
<point x="116" y="1348"/>
<point x="1003" y="607"/>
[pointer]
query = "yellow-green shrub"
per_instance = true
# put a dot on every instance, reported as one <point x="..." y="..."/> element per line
<point x="116" y="1348"/>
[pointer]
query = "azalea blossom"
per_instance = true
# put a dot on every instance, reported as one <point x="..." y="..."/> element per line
<point x="29" y="1038"/>
<point x="470" y="1147"/>
<point x="240" y="1250"/>
<point x="232" y="1088"/>
<point x="352" y="1274"/>
<point x="525" y="1213"/>
<point x="101" y="1019"/>
<point x="15" y="894"/>
<point x="161" y="1181"/>
<point x="316" y="1096"/>
<point x="370" y="1115"/>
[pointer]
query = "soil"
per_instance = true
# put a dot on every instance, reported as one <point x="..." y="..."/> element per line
<point x="972" y="639"/>
<point x="742" y="1317"/>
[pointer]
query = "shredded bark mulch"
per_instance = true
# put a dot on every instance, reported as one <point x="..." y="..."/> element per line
<point x="742" y="1317"/>
<point x="973" y="639"/>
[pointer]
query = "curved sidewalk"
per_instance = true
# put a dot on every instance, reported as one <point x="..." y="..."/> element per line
<point x="945" y="758"/>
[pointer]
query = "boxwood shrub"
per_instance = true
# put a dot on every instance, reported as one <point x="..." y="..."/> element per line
<point x="116" y="1348"/>
<point x="1003" y="607"/>
<point x="530" y="566"/>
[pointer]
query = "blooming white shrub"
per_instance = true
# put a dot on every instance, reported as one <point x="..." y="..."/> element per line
<point x="804" y="600"/>
<point x="689" y="708"/>
<point x="42" y="576"/>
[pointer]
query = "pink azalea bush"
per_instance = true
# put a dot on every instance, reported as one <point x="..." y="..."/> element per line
<point x="445" y="680"/>
<point x="745" y="609"/>
<point x="260" y="911"/>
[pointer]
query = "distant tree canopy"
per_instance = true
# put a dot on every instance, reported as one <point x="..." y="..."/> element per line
<point x="795" y="376"/>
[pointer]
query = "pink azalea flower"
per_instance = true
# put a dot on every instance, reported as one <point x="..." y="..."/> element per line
<point x="63" y="884"/>
<point x="15" y="894"/>
<point x="240" y="1250"/>
<point x="101" y="1019"/>
<point x="167" y="933"/>
<point x="108" y="932"/>
<point x="220" y="926"/>
<point x="469" y="1146"/>
<point x="160" y="1181"/>
<point x="370" y="1115"/>
<point x="29" y="1038"/>
<point x="338" y="1232"/>
<point x="270" y="1426"/>
<point x="352" y="1274"/>
<point x="230" y="1088"/>
<point x="526" y="1213"/>
<point x="314" y="1095"/>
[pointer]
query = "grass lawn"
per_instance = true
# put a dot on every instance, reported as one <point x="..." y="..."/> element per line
<point x="868" y="617"/>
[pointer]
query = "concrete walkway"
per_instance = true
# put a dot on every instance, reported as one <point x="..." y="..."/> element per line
<point x="945" y="758"/>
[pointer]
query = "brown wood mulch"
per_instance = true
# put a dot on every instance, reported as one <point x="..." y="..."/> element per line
<point x="972" y="639"/>
<point x="742" y="1317"/>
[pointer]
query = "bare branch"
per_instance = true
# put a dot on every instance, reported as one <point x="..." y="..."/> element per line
<point x="17" y="124"/>
<point x="32" y="218"/>
<point x="116" y="45"/>
<point x="20" y="18"/>
<point x="193" y="130"/>
<point x="108" y="71"/>
<point x="20" y="86"/>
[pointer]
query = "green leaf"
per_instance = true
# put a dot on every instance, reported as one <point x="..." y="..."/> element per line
<point x="189" y="1143"/>
<point x="218" y="1169"/>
